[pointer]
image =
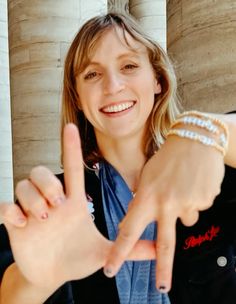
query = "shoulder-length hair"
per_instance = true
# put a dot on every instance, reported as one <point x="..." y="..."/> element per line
<point x="165" y="106"/>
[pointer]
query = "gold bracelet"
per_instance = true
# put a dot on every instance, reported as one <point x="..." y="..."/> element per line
<point x="215" y="120"/>
<point x="205" y="140"/>
<point x="207" y="122"/>
<point x="196" y="121"/>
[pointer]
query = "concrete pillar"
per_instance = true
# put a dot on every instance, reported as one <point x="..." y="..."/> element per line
<point x="202" y="42"/>
<point x="39" y="35"/>
<point x="118" y="6"/>
<point x="152" y="16"/>
<point x="6" y="183"/>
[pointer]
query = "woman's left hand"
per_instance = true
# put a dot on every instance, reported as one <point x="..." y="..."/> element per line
<point x="181" y="179"/>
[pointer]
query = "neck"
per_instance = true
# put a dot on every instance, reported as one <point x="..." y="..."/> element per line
<point x="126" y="156"/>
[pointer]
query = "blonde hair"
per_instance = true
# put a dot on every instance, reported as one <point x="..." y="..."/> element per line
<point x="165" y="106"/>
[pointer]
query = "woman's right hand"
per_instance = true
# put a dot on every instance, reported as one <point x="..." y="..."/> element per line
<point x="54" y="239"/>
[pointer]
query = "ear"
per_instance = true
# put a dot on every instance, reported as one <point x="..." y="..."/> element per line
<point x="157" y="88"/>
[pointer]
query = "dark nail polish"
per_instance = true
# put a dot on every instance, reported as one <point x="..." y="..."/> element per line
<point x="162" y="288"/>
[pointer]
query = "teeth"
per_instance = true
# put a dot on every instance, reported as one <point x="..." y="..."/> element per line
<point x="118" y="108"/>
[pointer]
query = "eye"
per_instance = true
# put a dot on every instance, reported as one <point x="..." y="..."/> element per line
<point x="130" y="66"/>
<point x="90" y="75"/>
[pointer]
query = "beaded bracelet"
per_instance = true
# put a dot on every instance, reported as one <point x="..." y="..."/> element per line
<point x="195" y="121"/>
<point x="214" y="120"/>
<point x="205" y="121"/>
<point x="205" y="140"/>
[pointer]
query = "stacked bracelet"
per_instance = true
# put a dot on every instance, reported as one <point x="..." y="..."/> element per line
<point x="191" y="120"/>
<point x="205" y="116"/>
<point x="205" y="121"/>
<point x="207" y="141"/>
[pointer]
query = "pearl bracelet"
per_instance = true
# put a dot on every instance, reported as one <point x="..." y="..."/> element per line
<point x="207" y="122"/>
<point x="195" y="121"/>
<point x="205" y="140"/>
<point x="206" y="117"/>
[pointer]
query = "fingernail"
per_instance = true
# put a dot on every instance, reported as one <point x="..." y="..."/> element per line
<point x="162" y="289"/>
<point x="59" y="200"/>
<point x="108" y="271"/>
<point x="44" y="216"/>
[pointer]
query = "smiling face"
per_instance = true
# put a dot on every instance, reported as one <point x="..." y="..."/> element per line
<point x="116" y="89"/>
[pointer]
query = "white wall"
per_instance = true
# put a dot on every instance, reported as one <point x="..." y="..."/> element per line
<point x="6" y="183"/>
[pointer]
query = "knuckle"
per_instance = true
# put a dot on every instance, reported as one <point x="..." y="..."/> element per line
<point x="125" y="236"/>
<point x="209" y="199"/>
<point x="165" y="198"/>
<point x="8" y="211"/>
<point x="190" y="218"/>
<point x="38" y="170"/>
<point x="53" y="189"/>
<point x="57" y="184"/>
<point x="21" y="185"/>
<point x="119" y="254"/>
<point x="38" y="202"/>
<point x="167" y="205"/>
<point x="162" y="247"/>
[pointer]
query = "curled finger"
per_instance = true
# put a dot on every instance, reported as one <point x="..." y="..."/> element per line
<point x="131" y="229"/>
<point x="31" y="200"/>
<point x="11" y="214"/>
<point x="190" y="217"/>
<point x="48" y="185"/>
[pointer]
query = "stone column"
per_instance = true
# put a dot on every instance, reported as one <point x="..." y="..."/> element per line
<point x="39" y="35"/>
<point x="152" y="16"/>
<point x="118" y="6"/>
<point x="6" y="183"/>
<point x="202" y="43"/>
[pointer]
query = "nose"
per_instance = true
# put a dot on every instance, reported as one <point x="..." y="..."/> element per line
<point x="113" y="83"/>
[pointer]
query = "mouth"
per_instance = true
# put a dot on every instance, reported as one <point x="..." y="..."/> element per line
<point x="118" y="107"/>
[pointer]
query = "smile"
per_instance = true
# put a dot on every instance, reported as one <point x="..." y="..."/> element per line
<point x="118" y="107"/>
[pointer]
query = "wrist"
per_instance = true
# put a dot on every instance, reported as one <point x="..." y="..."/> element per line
<point x="24" y="291"/>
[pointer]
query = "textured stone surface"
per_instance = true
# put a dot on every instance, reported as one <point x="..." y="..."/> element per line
<point x="39" y="35"/>
<point x="118" y="5"/>
<point x="6" y="184"/>
<point x="152" y="16"/>
<point x="202" y="43"/>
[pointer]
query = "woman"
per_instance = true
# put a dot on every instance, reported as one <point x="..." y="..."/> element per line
<point x="119" y="89"/>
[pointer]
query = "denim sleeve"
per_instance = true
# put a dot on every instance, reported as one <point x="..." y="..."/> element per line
<point x="6" y="257"/>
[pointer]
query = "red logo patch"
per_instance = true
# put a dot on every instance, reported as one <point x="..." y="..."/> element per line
<point x="193" y="241"/>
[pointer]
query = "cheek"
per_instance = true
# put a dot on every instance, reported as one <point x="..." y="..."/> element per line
<point x="84" y="100"/>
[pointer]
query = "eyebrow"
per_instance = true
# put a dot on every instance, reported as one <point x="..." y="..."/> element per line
<point x="133" y="53"/>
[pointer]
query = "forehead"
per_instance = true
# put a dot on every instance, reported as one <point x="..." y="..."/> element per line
<point x="89" y="49"/>
<point x="116" y="40"/>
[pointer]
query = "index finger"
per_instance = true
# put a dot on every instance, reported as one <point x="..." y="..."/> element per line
<point x="165" y="250"/>
<point x="131" y="229"/>
<point x="73" y="162"/>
